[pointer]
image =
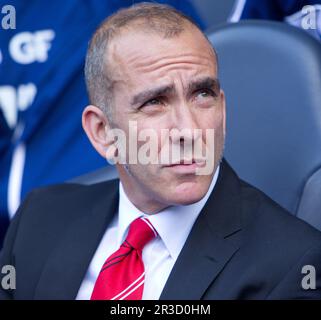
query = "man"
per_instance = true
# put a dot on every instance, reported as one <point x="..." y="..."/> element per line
<point x="166" y="229"/>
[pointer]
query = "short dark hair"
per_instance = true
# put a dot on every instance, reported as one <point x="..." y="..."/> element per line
<point x="162" y="19"/>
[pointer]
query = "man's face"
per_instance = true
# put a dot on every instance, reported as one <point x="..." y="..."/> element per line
<point x="166" y="84"/>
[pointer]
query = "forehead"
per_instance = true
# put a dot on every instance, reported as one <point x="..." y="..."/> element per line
<point x="136" y="55"/>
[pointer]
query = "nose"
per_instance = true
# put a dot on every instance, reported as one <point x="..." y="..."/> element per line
<point x="183" y="124"/>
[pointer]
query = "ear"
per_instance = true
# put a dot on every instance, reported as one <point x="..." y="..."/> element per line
<point x="222" y="97"/>
<point x="96" y="124"/>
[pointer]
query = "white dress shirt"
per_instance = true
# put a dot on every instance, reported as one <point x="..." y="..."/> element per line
<point x="173" y="225"/>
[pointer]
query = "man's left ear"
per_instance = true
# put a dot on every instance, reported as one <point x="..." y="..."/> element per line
<point x="96" y="124"/>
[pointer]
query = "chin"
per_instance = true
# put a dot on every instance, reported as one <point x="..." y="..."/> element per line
<point x="188" y="193"/>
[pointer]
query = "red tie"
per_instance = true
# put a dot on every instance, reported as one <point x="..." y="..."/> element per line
<point x="122" y="275"/>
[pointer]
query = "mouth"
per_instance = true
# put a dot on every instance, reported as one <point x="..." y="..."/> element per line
<point x="186" y="166"/>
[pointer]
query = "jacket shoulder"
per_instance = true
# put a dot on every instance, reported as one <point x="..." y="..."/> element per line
<point x="66" y="194"/>
<point x="278" y="225"/>
<point x="60" y="204"/>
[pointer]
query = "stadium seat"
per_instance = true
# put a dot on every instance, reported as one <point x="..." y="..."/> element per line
<point x="214" y="12"/>
<point x="103" y="174"/>
<point x="271" y="75"/>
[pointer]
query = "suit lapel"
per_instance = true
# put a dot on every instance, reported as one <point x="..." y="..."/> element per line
<point x="67" y="265"/>
<point x="213" y="241"/>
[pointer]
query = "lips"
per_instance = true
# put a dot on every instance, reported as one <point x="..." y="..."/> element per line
<point x="185" y="162"/>
<point x="185" y="167"/>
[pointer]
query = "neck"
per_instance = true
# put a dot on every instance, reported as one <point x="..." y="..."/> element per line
<point x="137" y="195"/>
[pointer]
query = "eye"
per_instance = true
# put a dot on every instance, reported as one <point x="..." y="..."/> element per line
<point x="205" y="93"/>
<point x="152" y="102"/>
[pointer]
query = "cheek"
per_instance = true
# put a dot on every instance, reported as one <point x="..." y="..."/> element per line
<point x="153" y="129"/>
<point x="213" y="141"/>
<point x="212" y="120"/>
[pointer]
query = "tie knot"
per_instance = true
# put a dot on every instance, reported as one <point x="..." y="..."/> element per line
<point x="141" y="231"/>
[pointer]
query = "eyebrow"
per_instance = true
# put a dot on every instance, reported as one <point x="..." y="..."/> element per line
<point x="149" y="94"/>
<point x="207" y="82"/>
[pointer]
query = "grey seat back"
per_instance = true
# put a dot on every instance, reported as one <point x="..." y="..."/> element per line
<point x="103" y="174"/>
<point x="271" y="75"/>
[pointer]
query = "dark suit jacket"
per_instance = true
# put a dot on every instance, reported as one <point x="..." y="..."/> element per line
<point x="242" y="245"/>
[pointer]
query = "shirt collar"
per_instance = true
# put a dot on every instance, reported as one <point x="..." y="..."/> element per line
<point x="173" y="224"/>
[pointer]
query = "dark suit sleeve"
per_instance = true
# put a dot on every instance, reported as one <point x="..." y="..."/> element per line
<point x="6" y="254"/>
<point x="292" y="284"/>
